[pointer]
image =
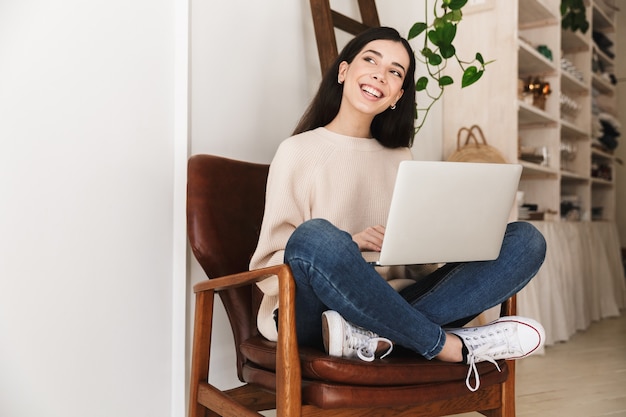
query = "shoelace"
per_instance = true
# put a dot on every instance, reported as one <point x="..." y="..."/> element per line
<point x="364" y="343"/>
<point x="368" y="352"/>
<point x="488" y="353"/>
<point x="478" y="355"/>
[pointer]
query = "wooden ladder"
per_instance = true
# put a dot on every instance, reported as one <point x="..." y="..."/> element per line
<point x="325" y="20"/>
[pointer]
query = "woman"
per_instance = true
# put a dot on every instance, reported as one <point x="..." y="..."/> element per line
<point x="328" y="195"/>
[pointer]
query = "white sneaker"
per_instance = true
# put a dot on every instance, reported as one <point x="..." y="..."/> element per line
<point x="511" y="337"/>
<point x="346" y="340"/>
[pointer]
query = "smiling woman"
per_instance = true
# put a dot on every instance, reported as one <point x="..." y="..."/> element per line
<point x="328" y="195"/>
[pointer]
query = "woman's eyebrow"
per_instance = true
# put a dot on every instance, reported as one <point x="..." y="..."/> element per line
<point x="378" y="54"/>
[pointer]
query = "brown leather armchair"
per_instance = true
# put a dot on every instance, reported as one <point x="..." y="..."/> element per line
<point x="225" y="202"/>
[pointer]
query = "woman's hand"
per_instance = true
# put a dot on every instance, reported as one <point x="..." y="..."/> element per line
<point x="370" y="239"/>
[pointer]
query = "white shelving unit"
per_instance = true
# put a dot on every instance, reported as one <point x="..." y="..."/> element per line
<point x="560" y="134"/>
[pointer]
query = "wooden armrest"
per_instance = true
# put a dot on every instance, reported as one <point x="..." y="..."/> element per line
<point x="288" y="371"/>
<point x="240" y="279"/>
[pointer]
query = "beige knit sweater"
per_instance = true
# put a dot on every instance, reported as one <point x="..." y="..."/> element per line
<point x="320" y="174"/>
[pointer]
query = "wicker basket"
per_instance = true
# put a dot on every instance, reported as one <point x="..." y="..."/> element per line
<point x="471" y="146"/>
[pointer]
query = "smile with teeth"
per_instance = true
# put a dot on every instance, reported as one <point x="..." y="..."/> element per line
<point x="372" y="91"/>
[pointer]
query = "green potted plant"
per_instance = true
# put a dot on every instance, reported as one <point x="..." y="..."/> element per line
<point x="574" y="15"/>
<point x="436" y="49"/>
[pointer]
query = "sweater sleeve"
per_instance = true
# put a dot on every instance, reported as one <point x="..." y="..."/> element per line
<point x="286" y="207"/>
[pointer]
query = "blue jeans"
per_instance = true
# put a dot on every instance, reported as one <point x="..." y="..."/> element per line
<point x="331" y="274"/>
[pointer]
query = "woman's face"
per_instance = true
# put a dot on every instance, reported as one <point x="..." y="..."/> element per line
<point x="373" y="80"/>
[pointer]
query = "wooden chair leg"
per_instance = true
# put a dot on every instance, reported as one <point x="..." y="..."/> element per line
<point x="508" y="392"/>
<point x="201" y="350"/>
<point x="288" y="371"/>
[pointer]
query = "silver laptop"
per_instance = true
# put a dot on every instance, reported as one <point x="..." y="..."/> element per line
<point x="448" y="212"/>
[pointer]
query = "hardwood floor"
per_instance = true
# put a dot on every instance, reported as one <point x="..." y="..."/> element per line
<point x="584" y="377"/>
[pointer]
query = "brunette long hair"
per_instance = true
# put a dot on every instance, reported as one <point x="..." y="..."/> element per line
<point x="392" y="128"/>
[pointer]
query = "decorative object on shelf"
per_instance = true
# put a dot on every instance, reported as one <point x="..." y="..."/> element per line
<point x="569" y="107"/>
<point x="539" y="90"/>
<point x="597" y="213"/>
<point x="539" y="155"/>
<point x="574" y="15"/>
<point x="438" y="47"/>
<point x="601" y="69"/>
<point x="604" y="43"/>
<point x="470" y="148"/>
<point x="545" y="51"/>
<point x="569" y="150"/>
<point x="601" y="170"/>
<point x="570" y="207"/>
<point x="608" y="132"/>
<point x="570" y="68"/>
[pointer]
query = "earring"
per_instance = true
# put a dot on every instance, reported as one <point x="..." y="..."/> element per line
<point x="393" y="107"/>
<point x="339" y="81"/>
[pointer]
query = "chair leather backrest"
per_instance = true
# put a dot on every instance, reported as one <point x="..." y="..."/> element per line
<point x="225" y="204"/>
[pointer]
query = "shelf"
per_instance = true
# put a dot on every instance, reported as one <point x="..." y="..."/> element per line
<point x="545" y="134"/>
<point x="601" y="182"/>
<point x="602" y="85"/>
<point x="530" y="116"/>
<point x="569" y="176"/>
<point x="535" y="13"/>
<point x="598" y="154"/>
<point x="573" y="86"/>
<point x="601" y="20"/>
<point x="606" y="60"/>
<point x="573" y="42"/>
<point x="532" y="62"/>
<point x="535" y="170"/>
<point x="570" y="130"/>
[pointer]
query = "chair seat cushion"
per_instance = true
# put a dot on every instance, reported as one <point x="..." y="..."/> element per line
<point x="402" y="367"/>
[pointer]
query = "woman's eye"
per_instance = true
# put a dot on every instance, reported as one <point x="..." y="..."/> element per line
<point x="370" y="60"/>
<point x="397" y="74"/>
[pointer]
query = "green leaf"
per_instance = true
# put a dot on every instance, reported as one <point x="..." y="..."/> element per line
<point x="447" y="51"/>
<point x="434" y="36"/>
<point x="453" y="16"/>
<point x="480" y="59"/>
<point x="445" y="80"/>
<point x="580" y="22"/>
<point x="584" y="27"/>
<point x="421" y="84"/>
<point x="447" y="33"/>
<point x="439" y="23"/>
<point x="435" y="59"/>
<point x="456" y="4"/>
<point x="443" y="35"/>
<point x="470" y="76"/>
<point x="417" y="30"/>
<point x="566" y="22"/>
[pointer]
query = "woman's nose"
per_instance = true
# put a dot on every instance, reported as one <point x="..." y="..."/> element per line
<point x="378" y="77"/>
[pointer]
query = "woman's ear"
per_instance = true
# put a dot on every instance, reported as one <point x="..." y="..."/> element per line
<point x="341" y="75"/>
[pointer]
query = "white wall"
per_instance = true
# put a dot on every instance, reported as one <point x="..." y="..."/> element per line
<point x="254" y="68"/>
<point x="86" y="212"/>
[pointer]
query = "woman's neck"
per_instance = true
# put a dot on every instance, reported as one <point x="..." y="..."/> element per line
<point x="357" y="126"/>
